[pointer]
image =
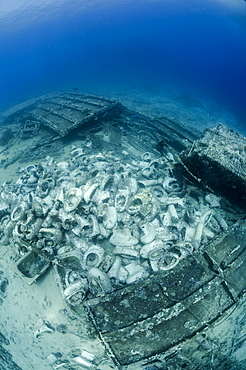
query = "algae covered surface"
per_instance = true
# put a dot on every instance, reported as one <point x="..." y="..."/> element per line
<point x="154" y="275"/>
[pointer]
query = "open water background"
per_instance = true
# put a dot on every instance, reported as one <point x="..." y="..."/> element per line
<point x="195" y="46"/>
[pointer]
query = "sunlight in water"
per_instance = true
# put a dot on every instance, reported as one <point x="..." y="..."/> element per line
<point x="238" y="5"/>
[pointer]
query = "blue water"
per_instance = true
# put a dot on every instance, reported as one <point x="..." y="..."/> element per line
<point x="197" y="46"/>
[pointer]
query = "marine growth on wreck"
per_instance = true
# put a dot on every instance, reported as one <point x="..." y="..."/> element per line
<point x="104" y="221"/>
